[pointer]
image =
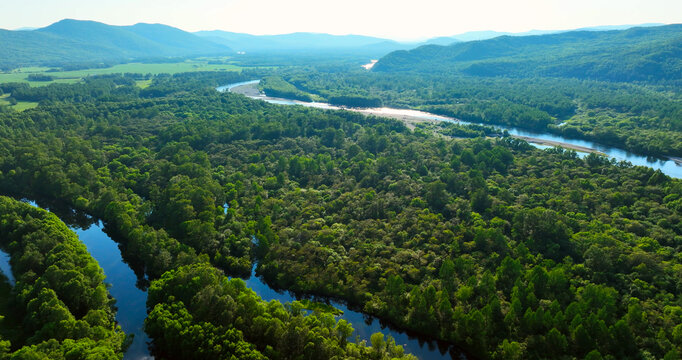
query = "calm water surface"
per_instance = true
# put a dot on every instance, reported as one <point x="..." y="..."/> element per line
<point x="363" y="324"/>
<point x="130" y="300"/>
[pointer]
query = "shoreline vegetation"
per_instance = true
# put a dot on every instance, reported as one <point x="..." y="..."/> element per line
<point x="252" y="91"/>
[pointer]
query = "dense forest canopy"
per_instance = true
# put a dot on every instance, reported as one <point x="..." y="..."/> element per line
<point x="618" y="88"/>
<point x="503" y="249"/>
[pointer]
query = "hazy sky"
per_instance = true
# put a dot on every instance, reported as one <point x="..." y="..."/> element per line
<point x="397" y="19"/>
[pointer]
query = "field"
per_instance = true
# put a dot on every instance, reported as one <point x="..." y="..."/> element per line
<point x="20" y="75"/>
<point x="19" y="106"/>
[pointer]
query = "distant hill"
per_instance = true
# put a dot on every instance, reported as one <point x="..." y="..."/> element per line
<point x="489" y="34"/>
<point x="442" y="40"/>
<point x="637" y="54"/>
<point x="70" y="41"/>
<point x="299" y="42"/>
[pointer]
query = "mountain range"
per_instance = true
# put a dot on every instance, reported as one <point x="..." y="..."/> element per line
<point x="636" y="54"/>
<point x="69" y="41"/>
<point x="297" y="42"/>
<point x="489" y="34"/>
<point x="88" y="42"/>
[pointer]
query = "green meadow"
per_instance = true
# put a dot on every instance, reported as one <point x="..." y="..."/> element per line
<point x="19" y="106"/>
<point x="20" y="75"/>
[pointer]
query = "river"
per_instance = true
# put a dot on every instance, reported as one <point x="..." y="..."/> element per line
<point x="5" y="267"/>
<point x="131" y="301"/>
<point x="667" y="166"/>
<point x="132" y="308"/>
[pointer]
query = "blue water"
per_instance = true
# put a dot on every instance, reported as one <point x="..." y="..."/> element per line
<point x="6" y="268"/>
<point x="130" y="300"/>
<point x="229" y="87"/>
<point x="668" y="167"/>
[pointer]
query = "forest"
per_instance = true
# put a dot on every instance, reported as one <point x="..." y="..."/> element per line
<point x="643" y="119"/>
<point x="505" y="250"/>
<point x="81" y="44"/>
<point x="639" y="54"/>
<point x="616" y="88"/>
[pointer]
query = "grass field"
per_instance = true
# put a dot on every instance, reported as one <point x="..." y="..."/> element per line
<point x="19" y="106"/>
<point x="20" y="75"/>
<point x="142" y="84"/>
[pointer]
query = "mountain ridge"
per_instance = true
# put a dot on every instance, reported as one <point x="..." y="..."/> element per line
<point x="85" y="41"/>
<point x="635" y="54"/>
<point x="302" y="41"/>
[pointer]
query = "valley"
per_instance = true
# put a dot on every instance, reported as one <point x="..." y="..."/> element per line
<point x="222" y="195"/>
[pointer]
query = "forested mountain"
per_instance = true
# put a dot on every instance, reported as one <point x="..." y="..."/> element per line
<point x="489" y="34"/>
<point x="651" y="54"/>
<point x="441" y="40"/>
<point x="299" y="42"/>
<point x="89" y="41"/>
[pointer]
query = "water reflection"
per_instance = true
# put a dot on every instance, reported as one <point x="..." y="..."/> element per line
<point x="131" y="298"/>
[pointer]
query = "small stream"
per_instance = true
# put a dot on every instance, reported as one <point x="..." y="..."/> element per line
<point x="667" y="166"/>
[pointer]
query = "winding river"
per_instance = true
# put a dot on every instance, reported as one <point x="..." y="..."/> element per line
<point x="5" y="267"/>
<point x="667" y="166"/>
<point x="132" y="309"/>
<point x="364" y="324"/>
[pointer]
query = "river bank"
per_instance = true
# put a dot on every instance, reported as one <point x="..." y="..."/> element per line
<point x="131" y="301"/>
<point x="559" y="144"/>
<point x="411" y="118"/>
<point x="670" y="166"/>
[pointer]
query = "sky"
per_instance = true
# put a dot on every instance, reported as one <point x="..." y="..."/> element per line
<point x="394" y="19"/>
